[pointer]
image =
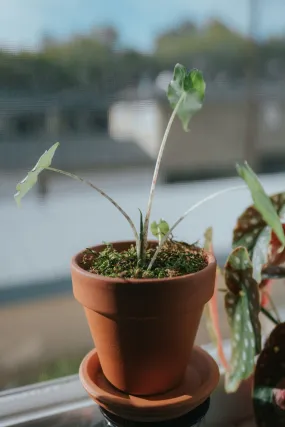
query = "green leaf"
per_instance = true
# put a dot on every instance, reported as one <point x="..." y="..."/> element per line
<point x="163" y="227"/>
<point x="250" y="226"/>
<point x="190" y="86"/>
<point x="159" y="229"/>
<point x="242" y="307"/>
<point x="269" y="384"/>
<point x="140" y="242"/>
<point x="154" y="229"/>
<point x="263" y="395"/>
<point x="30" y="180"/>
<point x="260" y="253"/>
<point x="261" y="201"/>
<point x="141" y="225"/>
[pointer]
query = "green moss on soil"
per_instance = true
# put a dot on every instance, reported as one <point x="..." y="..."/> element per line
<point x="174" y="259"/>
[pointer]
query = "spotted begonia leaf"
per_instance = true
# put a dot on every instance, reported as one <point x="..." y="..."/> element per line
<point x="272" y="268"/>
<point x="269" y="381"/>
<point x="273" y="272"/>
<point x="250" y="224"/>
<point x="242" y="307"/>
<point x="260" y="253"/>
<point x="211" y="311"/>
<point x="276" y="255"/>
<point x="30" y="180"/>
<point x="262" y="202"/>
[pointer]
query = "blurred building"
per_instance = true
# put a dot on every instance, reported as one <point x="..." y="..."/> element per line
<point x="128" y="129"/>
<point x="78" y="119"/>
<point x="218" y="134"/>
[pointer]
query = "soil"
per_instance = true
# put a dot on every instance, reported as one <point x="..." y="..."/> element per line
<point x="174" y="259"/>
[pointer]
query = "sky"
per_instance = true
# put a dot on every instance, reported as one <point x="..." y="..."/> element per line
<point x="24" y="22"/>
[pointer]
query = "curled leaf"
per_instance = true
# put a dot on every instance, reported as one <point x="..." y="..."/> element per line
<point x="191" y="87"/>
<point x="30" y="180"/>
<point x="250" y="224"/>
<point x="276" y="254"/>
<point x="262" y="202"/>
<point x="272" y="268"/>
<point x="260" y="253"/>
<point x="252" y="232"/>
<point x="242" y="307"/>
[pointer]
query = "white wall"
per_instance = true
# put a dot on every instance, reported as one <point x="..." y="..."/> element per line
<point x="138" y="121"/>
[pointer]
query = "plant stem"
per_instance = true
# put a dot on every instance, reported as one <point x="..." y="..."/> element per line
<point x="155" y="175"/>
<point x="140" y="249"/>
<point x="78" y="178"/>
<point x="269" y="316"/>
<point x="212" y="196"/>
<point x="273" y="306"/>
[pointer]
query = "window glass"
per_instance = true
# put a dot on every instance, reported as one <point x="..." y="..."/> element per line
<point x="92" y="75"/>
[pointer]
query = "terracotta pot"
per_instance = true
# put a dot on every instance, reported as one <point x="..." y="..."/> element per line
<point x="143" y="329"/>
<point x="200" y="380"/>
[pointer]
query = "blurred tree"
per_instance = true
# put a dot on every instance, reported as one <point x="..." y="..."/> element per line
<point x="221" y="48"/>
<point x="94" y="59"/>
<point x="190" y="39"/>
<point x="108" y="36"/>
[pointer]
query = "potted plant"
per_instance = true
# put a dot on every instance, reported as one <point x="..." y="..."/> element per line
<point x="144" y="298"/>
<point x="257" y="257"/>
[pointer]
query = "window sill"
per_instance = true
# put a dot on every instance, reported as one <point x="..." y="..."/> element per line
<point x="63" y="402"/>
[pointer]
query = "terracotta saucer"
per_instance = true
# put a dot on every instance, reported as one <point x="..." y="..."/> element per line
<point x="201" y="378"/>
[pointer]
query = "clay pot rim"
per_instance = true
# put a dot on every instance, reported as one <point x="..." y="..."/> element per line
<point x="75" y="266"/>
